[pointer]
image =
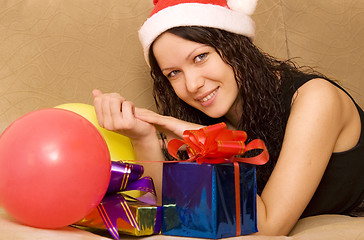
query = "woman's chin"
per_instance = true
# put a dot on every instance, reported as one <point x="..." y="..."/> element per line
<point x="215" y="114"/>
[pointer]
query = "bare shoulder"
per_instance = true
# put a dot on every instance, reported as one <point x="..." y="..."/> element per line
<point x="318" y="102"/>
<point x="319" y="89"/>
<point x="325" y="100"/>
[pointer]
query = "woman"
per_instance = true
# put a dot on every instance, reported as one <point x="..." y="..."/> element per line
<point x="206" y="70"/>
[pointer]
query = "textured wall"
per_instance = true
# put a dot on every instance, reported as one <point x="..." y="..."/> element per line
<point x="325" y="34"/>
<point x="56" y="51"/>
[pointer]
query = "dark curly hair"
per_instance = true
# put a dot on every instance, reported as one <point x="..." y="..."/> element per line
<point x="259" y="78"/>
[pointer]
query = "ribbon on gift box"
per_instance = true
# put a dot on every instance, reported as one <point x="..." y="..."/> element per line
<point x="216" y="144"/>
<point x="125" y="178"/>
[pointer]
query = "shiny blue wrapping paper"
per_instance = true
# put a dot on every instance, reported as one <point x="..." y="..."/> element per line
<point x="201" y="200"/>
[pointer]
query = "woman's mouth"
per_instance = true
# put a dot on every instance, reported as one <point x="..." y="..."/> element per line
<point x="208" y="97"/>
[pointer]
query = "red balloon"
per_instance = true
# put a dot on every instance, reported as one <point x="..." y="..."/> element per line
<point x="54" y="168"/>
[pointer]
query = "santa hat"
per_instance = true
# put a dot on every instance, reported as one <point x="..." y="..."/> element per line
<point x="228" y="15"/>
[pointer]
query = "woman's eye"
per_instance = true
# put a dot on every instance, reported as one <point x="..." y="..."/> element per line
<point x="200" y="57"/>
<point x="172" y="74"/>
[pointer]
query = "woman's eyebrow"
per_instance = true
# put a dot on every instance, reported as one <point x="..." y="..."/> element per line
<point x="165" y="69"/>
<point x="189" y="55"/>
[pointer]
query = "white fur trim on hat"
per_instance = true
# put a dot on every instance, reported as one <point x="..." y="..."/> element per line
<point x="194" y="14"/>
<point x="244" y="6"/>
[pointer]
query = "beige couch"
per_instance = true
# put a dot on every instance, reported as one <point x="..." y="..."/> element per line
<point x="56" y="51"/>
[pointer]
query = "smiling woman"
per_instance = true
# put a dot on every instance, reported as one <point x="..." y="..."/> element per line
<point x="207" y="69"/>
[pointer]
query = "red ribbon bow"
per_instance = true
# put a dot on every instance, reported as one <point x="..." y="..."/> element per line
<point x="216" y="144"/>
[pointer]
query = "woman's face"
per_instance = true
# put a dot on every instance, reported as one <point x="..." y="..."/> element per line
<point x="197" y="74"/>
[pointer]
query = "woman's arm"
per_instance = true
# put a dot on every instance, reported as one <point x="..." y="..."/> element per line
<point x="140" y="125"/>
<point x="321" y="121"/>
<point x="116" y="114"/>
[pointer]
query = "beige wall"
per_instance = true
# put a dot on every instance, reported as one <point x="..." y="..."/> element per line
<point x="56" y="51"/>
<point x="325" y="34"/>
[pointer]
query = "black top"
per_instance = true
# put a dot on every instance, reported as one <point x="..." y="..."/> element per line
<point x="342" y="186"/>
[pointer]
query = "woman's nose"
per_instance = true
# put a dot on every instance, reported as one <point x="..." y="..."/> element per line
<point x="194" y="81"/>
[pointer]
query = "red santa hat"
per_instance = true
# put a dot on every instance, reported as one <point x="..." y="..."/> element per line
<point x="229" y="15"/>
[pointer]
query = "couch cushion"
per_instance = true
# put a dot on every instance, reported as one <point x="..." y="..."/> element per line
<point x="329" y="227"/>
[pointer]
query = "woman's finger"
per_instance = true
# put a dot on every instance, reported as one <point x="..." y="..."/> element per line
<point x="116" y="96"/>
<point x="148" y="116"/>
<point x="96" y="93"/>
<point x="128" y="111"/>
<point x="98" y="110"/>
<point x="116" y="112"/>
<point x="106" y="113"/>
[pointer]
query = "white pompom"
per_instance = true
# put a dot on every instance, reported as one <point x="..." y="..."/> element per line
<point x="244" y="6"/>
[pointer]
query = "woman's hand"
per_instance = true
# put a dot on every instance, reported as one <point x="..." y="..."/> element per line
<point x="170" y="126"/>
<point x="116" y="114"/>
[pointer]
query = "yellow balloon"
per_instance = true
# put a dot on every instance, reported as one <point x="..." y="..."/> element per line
<point x="119" y="145"/>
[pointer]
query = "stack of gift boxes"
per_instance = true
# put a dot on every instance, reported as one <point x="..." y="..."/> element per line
<point x="211" y="195"/>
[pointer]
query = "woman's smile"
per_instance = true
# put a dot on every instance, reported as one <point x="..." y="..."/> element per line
<point x="208" y="99"/>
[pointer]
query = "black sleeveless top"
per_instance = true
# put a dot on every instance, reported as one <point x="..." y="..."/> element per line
<point x="342" y="186"/>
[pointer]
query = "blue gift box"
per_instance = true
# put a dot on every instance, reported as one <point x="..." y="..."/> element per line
<point x="201" y="200"/>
